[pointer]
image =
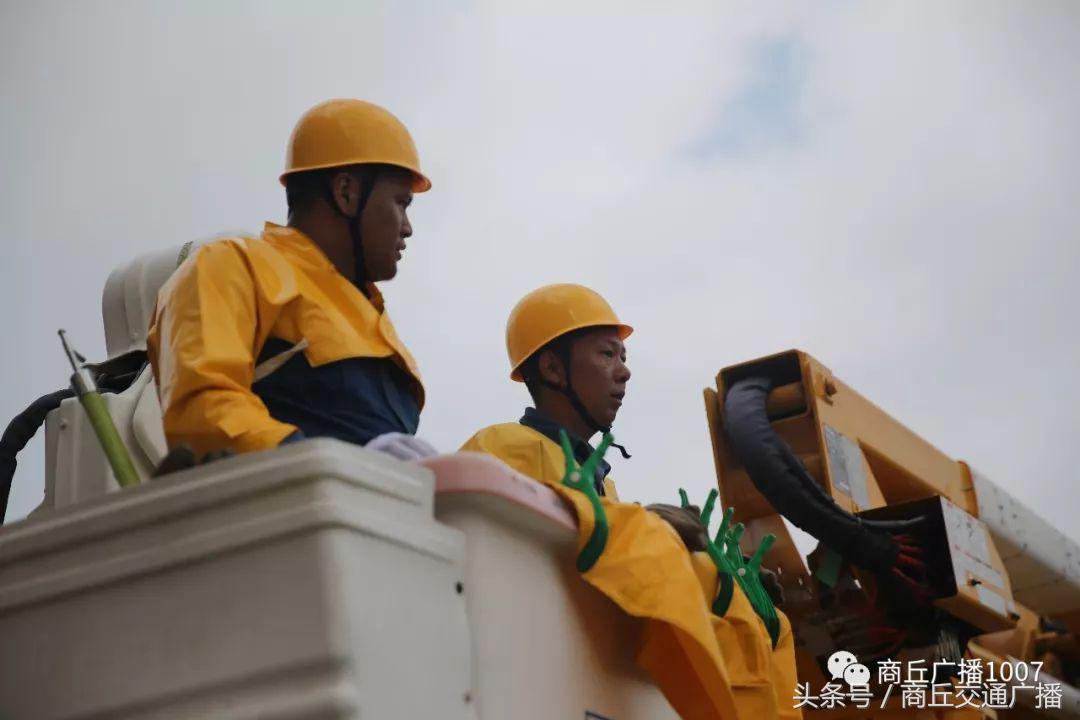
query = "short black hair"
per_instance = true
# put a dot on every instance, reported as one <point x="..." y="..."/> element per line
<point x="302" y="189"/>
<point x="530" y="369"/>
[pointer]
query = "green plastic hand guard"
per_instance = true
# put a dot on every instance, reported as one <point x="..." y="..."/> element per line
<point x="714" y="547"/>
<point x="726" y="554"/>
<point x="581" y="479"/>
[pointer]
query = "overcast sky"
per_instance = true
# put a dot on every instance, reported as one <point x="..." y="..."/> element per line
<point x="891" y="187"/>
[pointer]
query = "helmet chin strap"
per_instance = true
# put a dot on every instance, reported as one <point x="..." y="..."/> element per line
<point x="368" y="177"/>
<point x="563" y="352"/>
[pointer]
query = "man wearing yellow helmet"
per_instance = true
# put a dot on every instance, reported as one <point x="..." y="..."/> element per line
<point x="260" y="340"/>
<point x="566" y="344"/>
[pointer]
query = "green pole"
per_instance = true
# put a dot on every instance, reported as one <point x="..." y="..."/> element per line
<point x="94" y="405"/>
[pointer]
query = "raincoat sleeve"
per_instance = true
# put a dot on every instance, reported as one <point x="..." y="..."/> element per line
<point x="202" y="346"/>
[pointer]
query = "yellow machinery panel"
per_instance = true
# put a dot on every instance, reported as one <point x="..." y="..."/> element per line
<point x="875" y="468"/>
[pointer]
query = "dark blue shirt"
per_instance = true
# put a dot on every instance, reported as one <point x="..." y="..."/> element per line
<point x="354" y="400"/>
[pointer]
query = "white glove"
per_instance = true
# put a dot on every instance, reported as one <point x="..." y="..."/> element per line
<point x="402" y="446"/>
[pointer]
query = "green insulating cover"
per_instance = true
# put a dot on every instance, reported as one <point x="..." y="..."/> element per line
<point x="109" y="438"/>
<point x="828" y="571"/>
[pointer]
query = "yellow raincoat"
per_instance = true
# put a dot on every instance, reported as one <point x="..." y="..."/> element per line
<point x="645" y="570"/>
<point x="222" y="305"/>
<point x="763" y="678"/>
<point x="784" y="675"/>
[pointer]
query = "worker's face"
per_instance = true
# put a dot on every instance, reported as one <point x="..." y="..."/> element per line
<point x="385" y="225"/>
<point x="599" y="373"/>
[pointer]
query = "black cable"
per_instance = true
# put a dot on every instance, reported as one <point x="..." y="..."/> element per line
<point x="18" y="433"/>
<point x="781" y="477"/>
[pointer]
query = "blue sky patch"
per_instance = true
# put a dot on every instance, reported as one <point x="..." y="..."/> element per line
<point x="764" y="112"/>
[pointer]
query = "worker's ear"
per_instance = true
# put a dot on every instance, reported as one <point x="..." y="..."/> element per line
<point x="346" y="191"/>
<point x="550" y="368"/>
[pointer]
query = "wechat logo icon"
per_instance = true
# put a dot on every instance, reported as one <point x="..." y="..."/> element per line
<point x="843" y="665"/>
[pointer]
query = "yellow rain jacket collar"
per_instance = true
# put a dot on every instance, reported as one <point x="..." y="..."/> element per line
<point x="547" y="427"/>
<point x="310" y="257"/>
<point x="528" y="451"/>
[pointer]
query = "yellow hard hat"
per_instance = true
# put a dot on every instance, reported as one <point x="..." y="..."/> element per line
<point x="551" y="311"/>
<point x="352" y="132"/>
